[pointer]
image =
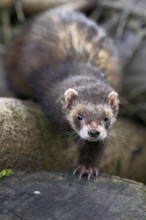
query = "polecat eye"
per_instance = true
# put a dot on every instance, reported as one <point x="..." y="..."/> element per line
<point x="106" y="118"/>
<point x="80" y="117"/>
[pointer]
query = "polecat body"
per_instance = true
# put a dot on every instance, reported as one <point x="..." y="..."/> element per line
<point x="59" y="59"/>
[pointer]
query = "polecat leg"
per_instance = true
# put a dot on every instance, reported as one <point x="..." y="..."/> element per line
<point x="89" y="157"/>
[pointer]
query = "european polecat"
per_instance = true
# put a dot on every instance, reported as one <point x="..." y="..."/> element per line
<point x="68" y="64"/>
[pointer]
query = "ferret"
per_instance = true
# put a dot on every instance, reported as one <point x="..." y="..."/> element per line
<point x="67" y="63"/>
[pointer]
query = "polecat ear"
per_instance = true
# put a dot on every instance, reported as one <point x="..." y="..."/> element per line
<point x="113" y="98"/>
<point x="69" y="95"/>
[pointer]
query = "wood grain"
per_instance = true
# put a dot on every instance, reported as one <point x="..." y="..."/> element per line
<point x="61" y="196"/>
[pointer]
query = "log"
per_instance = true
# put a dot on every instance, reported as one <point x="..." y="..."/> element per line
<point x="6" y="4"/>
<point x="127" y="28"/>
<point x="28" y="136"/>
<point x="60" y="195"/>
<point x="138" y="10"/>
<point x="35" y="6"/>
<point x="32" y="7"/>
<point x="30" y="141"/>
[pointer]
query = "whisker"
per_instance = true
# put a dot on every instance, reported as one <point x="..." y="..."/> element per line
<point x="109" y="145"/>
<point x="118" y="137"/>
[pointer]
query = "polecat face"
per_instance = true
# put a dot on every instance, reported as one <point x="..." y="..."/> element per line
<point x="90" y="121"/>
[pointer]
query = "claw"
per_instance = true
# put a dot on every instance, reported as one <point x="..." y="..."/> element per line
<point x="82" y="170"/>
<point x="95" y="171"/>
<point x="90" y="173"/>
<point x="77" y="170"/>
<point x="80" y="176"/>
<point x="89" y="176"/>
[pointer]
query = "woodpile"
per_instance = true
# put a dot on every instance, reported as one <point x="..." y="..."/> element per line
<point x="125" y="21"/>
<point x="29" y="143"/>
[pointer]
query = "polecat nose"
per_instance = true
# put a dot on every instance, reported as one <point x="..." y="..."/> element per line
<point x="93" y="133"/>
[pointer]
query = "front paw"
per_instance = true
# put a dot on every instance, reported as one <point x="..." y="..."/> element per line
<point x="90" y="171"/>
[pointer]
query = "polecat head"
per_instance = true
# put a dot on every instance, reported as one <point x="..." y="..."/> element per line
<point x="91" y="120"/>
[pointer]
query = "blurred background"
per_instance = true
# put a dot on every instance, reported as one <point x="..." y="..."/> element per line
<point x="125" y="23"/>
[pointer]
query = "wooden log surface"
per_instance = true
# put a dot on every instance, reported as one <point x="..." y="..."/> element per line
<point x="62" y="196"/>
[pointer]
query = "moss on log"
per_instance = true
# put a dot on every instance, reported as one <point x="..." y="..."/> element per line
<point x="28" y="137"/>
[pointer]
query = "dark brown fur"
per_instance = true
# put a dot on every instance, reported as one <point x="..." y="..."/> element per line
<point x="59" y="50"/>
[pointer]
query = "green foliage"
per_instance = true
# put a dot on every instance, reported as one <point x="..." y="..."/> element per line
<point x="5" y="172"/>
